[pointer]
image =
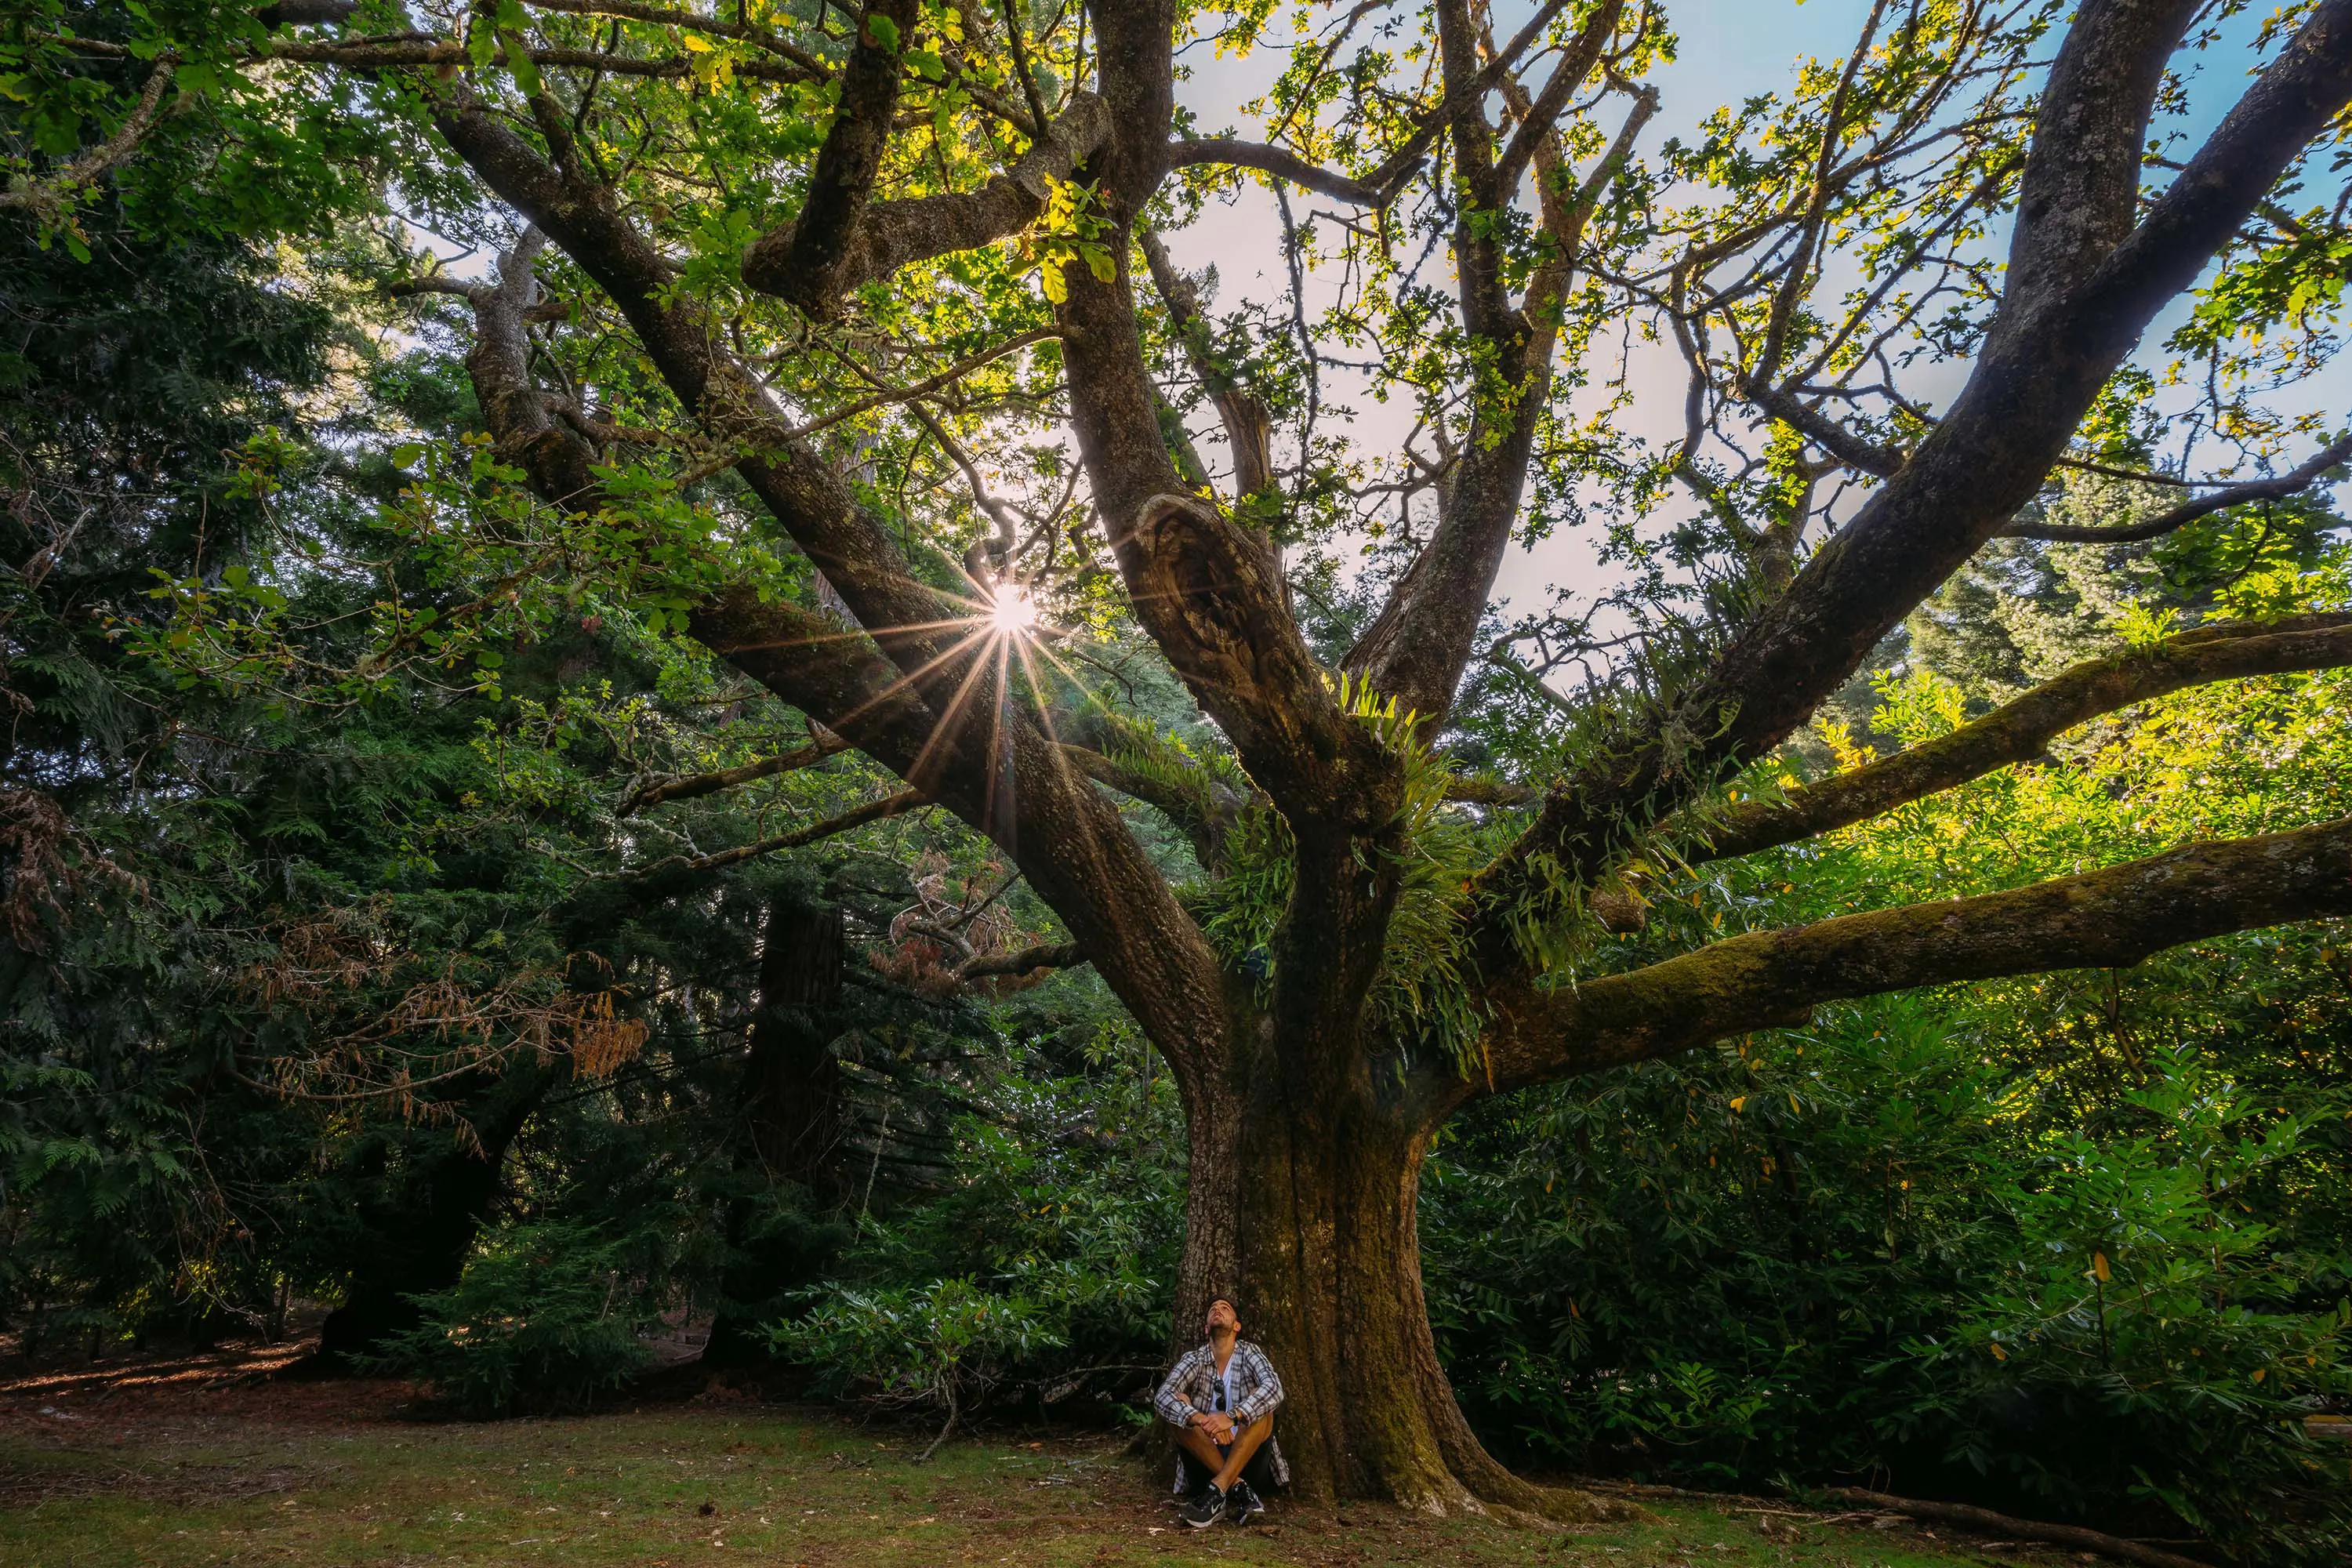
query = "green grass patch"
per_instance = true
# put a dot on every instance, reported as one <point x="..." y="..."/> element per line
<point x="739" y="1483"/>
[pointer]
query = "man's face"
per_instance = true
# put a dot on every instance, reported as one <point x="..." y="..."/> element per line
<point x="1221" y="1318"/>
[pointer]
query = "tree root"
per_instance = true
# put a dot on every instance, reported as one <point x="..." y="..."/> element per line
<point x="1983" y="1519"/>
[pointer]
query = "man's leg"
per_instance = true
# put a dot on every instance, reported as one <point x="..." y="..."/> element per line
<point x="1247" y="1442"/>
<point x="1202" y="1450"/>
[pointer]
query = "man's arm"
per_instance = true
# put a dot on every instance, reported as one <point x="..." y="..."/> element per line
<point x="1264" y="1396"/>
<point x="1169" y="1402"/>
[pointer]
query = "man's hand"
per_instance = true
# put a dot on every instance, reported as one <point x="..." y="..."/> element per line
<point x="1217" y="1425"/>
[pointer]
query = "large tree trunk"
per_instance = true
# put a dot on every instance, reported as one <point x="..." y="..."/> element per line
<point x="791" y="1084"/>
<point x="424" y="1227"/>
<point x="1308" y="1216"/>
<point x="790" y="1127"/>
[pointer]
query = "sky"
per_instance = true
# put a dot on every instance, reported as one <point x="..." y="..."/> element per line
<point x="1730" y="50"/>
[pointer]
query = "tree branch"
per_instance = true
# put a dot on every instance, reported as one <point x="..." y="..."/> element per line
<point x="1418" y="645"/>
<point x="888" y="235"/>
<point x="896" y="804"/>
<point x="2047" y="356"/>
<point x="449" y="54"/>
<point x="930" y="384"/>
<point x="1248" y="423"/>
<point x="815" y="69"/>
<point x="2017" y="732"/>
<point x="1855" y="451"/>
<point x="1538" y="115"/>
<point x="1045" y="955"/>
<point x="807" y="271"/>
<point x="411" y="287"/>
<point x="49" y="195"/>
<point x="2292" y="482"/>
<point x="1205" y="813"/>
<point x="1008" y="781"/>
<point x="693" y="786"/>
<point x="2106" y="919"/>
<point x="1284" y="164"/>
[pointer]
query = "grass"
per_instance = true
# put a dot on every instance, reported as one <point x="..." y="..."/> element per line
<point x="180" y="1474"/>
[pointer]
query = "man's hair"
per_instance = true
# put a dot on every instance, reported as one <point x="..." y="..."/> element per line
<point x="1228" y="1300"/>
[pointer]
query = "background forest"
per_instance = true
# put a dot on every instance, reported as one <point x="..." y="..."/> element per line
<point x="378" y="934"/>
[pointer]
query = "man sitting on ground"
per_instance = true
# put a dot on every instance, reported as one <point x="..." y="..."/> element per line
<point x="1220" y="1398"/>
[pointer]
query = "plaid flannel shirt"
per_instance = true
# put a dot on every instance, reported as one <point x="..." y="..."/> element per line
<point x="1193" y="1384"/>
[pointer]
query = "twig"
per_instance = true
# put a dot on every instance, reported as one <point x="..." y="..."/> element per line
<point x="904" y="801"/>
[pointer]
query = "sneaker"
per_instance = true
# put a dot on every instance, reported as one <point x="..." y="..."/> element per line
<point x="1241" y="1505"/>
<point x="1206" y="1509"/>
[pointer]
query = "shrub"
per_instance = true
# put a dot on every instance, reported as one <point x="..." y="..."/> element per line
<point x="938" y="1346"/>
<point x="545" y="1318"/>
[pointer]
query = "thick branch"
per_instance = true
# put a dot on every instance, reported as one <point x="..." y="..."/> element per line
<point x="1007" y="780"/>
<point x="1248" y="423"/>
<point x="2017" y="732"/>
<point x="2294" y="482"/>
<point x="2076" y="197"/>
<point x="1489" y="792"/>
<point x="2106" y="919"/>
<point x="815" y="69"/>
<point x="1538" y="116"/>
<point x="1045" y="955"/>
<point x="1424" y="635"/>
<point x="1210" y="591"/>
<point x="2045" y="360"/>
<point x="1205" y="815"/>
<point x="888" y="235"/>
<point x="1855" y="451"/>
<point x="1284" y="164"/>
<point x="807" y="273"/>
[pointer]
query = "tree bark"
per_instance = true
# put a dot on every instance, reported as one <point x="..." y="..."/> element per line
<point x="791" y="1084"/>
<point x="790" y="1124"/>
<point x="427" y="1225"/>
<point x="1324" y="1263"/>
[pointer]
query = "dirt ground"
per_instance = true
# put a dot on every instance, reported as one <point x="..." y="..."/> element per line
<point x="216" y="1458"/>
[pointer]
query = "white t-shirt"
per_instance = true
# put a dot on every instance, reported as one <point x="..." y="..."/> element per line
<point x="1225" y="1387"/>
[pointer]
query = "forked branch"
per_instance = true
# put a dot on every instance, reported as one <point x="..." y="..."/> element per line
<point x="2053" y="347"/>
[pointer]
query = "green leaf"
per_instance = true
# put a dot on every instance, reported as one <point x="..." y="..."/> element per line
<point x="882" y="33"/>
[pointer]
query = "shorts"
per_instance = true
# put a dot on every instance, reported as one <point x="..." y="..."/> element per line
<point x="1258" y="1473"/>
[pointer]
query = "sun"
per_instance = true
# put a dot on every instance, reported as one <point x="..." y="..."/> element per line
<point x="1014" y="612"/>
